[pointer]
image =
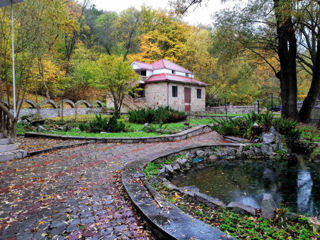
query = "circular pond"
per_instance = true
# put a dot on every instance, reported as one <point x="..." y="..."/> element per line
<point x="294" y="186"/>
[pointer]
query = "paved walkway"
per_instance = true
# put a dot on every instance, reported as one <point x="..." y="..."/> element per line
<point x="75" y="193"/>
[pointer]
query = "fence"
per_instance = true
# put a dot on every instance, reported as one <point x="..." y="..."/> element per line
<point x="58" y="110"/>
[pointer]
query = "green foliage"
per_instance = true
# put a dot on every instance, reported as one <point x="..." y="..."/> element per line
<point x="100" y="124"/>
<point x="247" y="126"/>
<point x="159" y="115"/>
<point x="288" y="129"/>
<point x="253" y="125"/>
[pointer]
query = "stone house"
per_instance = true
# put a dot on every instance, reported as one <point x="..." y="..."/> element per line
<point x="165" y="83"/>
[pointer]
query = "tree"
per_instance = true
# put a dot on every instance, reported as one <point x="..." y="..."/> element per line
<point x="282" y="19"/>
<point x="309" y="28"/>
<point x="117" y="77"/>
<point x="167" y="39"/>
<point x="75" y="25"/>
<point x="127" y="30"/>
<point x="105" y="28"/>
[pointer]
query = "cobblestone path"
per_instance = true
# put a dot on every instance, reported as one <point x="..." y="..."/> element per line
<point x="75" y="193"/>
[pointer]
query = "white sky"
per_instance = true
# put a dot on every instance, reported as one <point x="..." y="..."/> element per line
<point x="195" y="16"/>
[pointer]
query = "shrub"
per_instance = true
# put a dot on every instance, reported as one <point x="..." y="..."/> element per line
<point x="159" y="115"/>
<point x="100" y="124"/>
<point x="288" y="129"/>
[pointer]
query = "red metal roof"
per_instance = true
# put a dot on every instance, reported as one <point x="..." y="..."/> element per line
<point x="143" y="65"/>
<point x="161" y="64"/>
<point x="163" y="77"/>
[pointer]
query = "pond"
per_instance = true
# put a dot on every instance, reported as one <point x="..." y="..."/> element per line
<point x="293" y="185"/>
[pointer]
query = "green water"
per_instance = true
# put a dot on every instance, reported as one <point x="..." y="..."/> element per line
<point x="295" y="186"/>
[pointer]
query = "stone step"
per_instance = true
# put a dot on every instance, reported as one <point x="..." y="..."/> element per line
<point x="8" y="147"/>
<point x="8" y="156"/>
<point x="4" y="141"/>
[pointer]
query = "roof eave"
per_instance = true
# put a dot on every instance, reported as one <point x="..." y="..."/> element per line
<point x="186" y="83"/>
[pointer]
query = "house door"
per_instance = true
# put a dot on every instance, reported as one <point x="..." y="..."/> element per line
<point x="187" y="99"/>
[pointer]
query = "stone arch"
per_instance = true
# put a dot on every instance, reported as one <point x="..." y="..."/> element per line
<point x="28" y="101"/>
<point x="80" y="102"/>
<point x="69" y="102"/>
<point x="51" y="102"/>
<point x="99" y="103"/>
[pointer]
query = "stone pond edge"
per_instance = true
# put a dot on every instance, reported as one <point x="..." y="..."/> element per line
<point x="178" y="225"/>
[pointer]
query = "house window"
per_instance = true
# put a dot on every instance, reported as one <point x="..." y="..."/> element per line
<point x="174" y="91"/>
<point x="187" y="74"/>
<point x="143" y="73"/>
<point x="198" y="93"/>
<point x="173" y="71"/>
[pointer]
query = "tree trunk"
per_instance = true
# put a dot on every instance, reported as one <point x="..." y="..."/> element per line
<point x="314" y="91"/>
<point x="41" y="72"/>
<point x="287" y="51"/>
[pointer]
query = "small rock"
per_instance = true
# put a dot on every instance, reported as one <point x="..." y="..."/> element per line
<point x="213" y="158"/>
<point x="189" y="190"/>
<point x="175" y="166"/>
<point x="182" y="161"/>
<point x="146" y="125"/>
<point x="210" y="201"/>
<point x="189" y="155"/>
<point x="200" y="153"/>
<point x="169" y="184"/>
<point x="162" y="171"/>
<point x="315" y="223"/>
<point x="168" y="168"/>
<point x="40" y="129"/>
<point x="268" y="138"/>
<point x="241" y="208"/>
<point x="268" y="206"/>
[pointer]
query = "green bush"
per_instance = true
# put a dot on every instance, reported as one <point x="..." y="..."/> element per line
<point x="159" y="115"/>
<point x="100" y="124"/>
<point x="253" y="125"/>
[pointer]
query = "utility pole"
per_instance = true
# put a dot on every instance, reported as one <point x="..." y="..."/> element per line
<point x="5" y="3"/>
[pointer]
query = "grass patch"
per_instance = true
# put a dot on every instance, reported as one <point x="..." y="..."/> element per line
<point x="310" y="133"/>
<point x="76" y="132"/>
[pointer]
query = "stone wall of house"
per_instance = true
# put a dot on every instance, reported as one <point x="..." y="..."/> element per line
<point x="156" y="95"/>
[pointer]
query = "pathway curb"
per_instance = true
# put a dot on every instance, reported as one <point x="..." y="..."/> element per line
<point x="166" y="138"/>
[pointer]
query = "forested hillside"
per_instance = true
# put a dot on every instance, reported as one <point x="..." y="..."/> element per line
<point x="59" y="44"/>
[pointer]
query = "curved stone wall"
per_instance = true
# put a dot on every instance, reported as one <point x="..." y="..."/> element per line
<point x="56" y="110"/>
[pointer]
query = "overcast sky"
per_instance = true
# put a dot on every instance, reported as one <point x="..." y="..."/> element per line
<point x="195" y="16"/>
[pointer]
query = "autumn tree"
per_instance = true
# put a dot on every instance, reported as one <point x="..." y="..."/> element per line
<point x="116" y="77"/>
<point x="166" y="40"/>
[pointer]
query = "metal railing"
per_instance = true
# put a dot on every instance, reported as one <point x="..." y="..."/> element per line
<point x="7" y="123"/>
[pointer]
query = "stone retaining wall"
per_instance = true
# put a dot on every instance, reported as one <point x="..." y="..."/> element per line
<point x="56" y="112"/>
<point x="230" y="109"/>
<point x="58" y="109"/>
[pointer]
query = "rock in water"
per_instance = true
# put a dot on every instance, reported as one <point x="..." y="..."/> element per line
<point x="268" y="206"/>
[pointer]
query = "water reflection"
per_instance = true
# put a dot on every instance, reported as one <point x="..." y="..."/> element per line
<point x="304" y="200"/>
<point x="291" y="186"/>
